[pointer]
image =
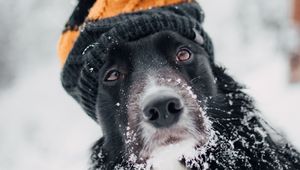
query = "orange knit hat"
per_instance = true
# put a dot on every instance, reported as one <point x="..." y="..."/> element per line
<point x="92" y="10"/>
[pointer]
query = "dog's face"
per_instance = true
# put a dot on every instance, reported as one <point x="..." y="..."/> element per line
<point x="152" y="92"/>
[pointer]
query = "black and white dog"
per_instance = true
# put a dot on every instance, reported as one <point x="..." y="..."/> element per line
<point x="162" y="105"/>
<point x="150" y="80"/>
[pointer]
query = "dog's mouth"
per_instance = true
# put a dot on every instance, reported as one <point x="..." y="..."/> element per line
<point x="169" y="136"/>
<point x="172" y="139"/>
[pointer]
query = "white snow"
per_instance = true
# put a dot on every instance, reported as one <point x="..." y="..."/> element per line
<point x="41" y="127"/>
<point x="166" y="157"/>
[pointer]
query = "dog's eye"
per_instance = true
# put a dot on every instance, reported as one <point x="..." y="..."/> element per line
<point x="183" y="55"/>
<point x="113" y="75"/>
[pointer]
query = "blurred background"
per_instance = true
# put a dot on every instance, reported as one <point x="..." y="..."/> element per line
<point x="41" y="127"/>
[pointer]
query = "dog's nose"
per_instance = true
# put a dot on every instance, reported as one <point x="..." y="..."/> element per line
<point x="163" y="111"/>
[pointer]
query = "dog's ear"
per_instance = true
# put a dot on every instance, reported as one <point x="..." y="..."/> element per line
<point x="198" y="38"/>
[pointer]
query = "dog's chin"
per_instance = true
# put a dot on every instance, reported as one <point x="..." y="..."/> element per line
<point x="170" y="137"/>
<point x="171" y="152"/>
<point x="168" y="147"/>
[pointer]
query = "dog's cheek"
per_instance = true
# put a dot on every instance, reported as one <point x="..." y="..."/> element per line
<point x="106" y="113"/>
<point x="202" y="79"/>
<point x="122" y="104"/>
<point x="107" y="108"/>
<point x="109" y="118"/>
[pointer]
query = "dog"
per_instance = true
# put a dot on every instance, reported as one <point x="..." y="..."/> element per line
<point x="163" y="103"/>
<point x="161" y="91"/>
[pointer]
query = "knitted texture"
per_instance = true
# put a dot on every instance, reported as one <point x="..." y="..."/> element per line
<point x="80" y="72"/>
<point x="92" y="10"/>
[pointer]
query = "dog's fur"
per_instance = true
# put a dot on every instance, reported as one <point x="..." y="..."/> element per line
<point x="220" y="120"/>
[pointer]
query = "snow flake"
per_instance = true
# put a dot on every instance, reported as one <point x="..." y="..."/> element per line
<point x="215" y="80"/>
<point x="89" y="47"/>
<point x="205" y="166"/>
<point x="189" y="88"/>
<point x="230" y="102"/>
<point x="194" y="96"/>
<point x="132" y="158"/>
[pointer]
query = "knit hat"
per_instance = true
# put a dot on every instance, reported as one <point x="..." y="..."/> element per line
<point x="96" y="25"/>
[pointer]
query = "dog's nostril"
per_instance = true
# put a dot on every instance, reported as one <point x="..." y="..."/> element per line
<point x="153" y="114"/>
<point x="163" y="111"/>
<point x="175" y="107"/>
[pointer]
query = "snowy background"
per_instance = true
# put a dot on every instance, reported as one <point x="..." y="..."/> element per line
<point x="41" y="127"/>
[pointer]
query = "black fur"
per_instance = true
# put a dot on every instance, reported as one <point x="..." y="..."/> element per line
<point x="239" y="140"/>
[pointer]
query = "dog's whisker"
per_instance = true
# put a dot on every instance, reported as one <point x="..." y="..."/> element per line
<point x="191" y="81"/>
<point x="217" y="109"/>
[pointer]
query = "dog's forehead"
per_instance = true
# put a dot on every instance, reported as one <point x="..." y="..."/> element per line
<point x="149" y="52"/>
<point x="155" y="45"/>
<point x="159" y="39"/>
